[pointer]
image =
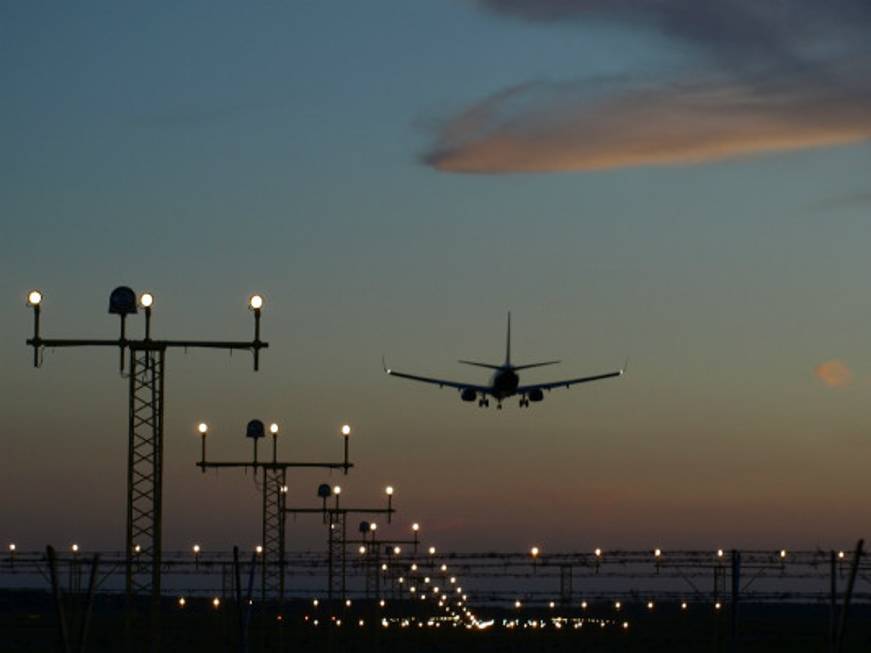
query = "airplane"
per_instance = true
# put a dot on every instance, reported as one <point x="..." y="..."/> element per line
<point x="505" y="381"/>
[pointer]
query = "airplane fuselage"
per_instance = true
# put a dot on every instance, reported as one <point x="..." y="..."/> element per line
<point x="504" y="383"/>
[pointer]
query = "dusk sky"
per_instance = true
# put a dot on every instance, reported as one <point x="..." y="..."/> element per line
<point x="681" y="186"/>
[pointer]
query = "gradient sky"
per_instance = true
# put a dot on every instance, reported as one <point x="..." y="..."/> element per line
<point x="207" y="150"/>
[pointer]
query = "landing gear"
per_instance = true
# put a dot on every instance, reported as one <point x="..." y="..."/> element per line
<point x="499" y="406"/>
<point x="483" y="403"/>
<point x="524" y="403"/>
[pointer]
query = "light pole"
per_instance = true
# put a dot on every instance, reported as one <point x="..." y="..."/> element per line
<point x="145" y="423"/>
<point x="337" y="540"/>
<point x="274" y="488"/>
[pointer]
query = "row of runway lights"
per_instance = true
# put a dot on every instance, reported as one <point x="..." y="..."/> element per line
<point x="518" y="604"/>
<point x="534" y="552"/>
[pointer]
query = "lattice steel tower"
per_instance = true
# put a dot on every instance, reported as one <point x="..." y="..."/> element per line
<point x="274" y="489"/>
<point x="147" y="358"/>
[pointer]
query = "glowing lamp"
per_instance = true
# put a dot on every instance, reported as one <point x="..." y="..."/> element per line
<point x="34" y="298"/>
<point x="255" y="302"/>
<point x="146" y="300"/>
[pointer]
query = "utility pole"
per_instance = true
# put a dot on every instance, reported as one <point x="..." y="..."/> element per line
<point x="274" y="489"/>
<point x="147" y="357"/>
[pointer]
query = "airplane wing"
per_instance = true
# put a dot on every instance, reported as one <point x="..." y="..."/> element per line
<point x="523" y="389"/>
<point x="439" y="382"/>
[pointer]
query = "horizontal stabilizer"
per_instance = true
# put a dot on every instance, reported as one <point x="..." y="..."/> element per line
<point x="526" y="367"/>
<point x="487" y="365"/>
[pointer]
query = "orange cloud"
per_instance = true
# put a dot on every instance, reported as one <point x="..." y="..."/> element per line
<point x="757" y="77"/>
<point x="834" y="373"/>
<point x="547" y="127"/>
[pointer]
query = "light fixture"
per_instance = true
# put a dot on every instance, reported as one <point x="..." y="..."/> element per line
<point x="146" y="300"/>
<point x="34" y="298"/>
<point x="389" y="490"/>
<point x="255" y="302"/>
<point x="273" y="428"/>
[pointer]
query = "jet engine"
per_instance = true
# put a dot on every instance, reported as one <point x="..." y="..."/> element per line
<point x="535" y="394"/>
<point x="468" y="394"/>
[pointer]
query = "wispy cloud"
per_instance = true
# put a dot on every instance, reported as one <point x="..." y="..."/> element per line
<point x="775" y="76"/>
<point x="834" y="373"/>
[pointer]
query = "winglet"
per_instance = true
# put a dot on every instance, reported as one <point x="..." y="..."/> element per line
<point x="384" y="365"/>
<point x="625" y="367"/>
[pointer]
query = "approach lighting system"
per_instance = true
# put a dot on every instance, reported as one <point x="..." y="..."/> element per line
<point x="145" y="378"/>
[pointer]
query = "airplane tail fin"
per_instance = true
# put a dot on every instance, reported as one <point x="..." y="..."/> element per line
<point x="530" y="365"/>
<point x="508" y="343"/>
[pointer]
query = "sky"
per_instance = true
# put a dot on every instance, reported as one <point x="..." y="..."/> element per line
<point x="684" y="187"/>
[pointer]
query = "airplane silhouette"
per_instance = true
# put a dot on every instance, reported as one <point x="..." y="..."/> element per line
<point x="505" y="381"/>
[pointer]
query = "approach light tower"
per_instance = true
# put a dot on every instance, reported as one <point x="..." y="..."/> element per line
<point x="145" y="423"/>
<point x="336" y="520"/>
<point x="274" y="487"/>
